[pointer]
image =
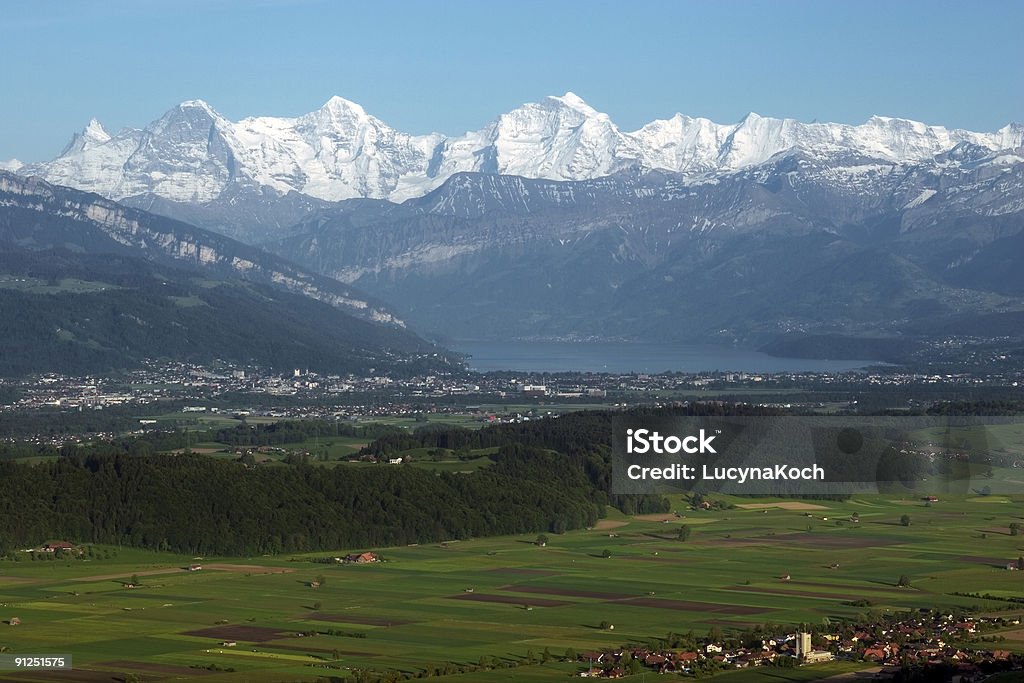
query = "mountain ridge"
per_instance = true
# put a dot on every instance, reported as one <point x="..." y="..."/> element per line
<point x="94" y="223"/>
<point x="807" y="244"/>
<point x="339" y="151"/>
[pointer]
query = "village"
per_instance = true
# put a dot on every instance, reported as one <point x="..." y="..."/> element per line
<point x="954" y="647"/>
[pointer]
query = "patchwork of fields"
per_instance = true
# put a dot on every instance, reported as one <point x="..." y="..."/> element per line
<point x="506" y="597"/>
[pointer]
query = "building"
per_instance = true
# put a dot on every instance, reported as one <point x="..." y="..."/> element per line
<point x="57" y="545"/>
<point x="806" y="654"/>
<point x="803" y="644"/>
<point x="362" y="558"/>
<point x="818" y="656"/>
<point x="535" y="390"/>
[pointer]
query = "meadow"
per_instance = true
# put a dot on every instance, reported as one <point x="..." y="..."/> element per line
<point x="506" y="600"/>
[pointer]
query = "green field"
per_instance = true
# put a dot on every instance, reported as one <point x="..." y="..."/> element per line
<point x="34" y="285"/>
<point x="415" y="610"/>
<point x="330" y="451"/>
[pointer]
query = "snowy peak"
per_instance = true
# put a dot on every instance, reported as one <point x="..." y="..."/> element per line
<point x="191" y="112"/>
<point x="559" y="138"/>
<point x="92" y="135"/>
<point x="11" y="165"/>
<point x="574" y="101"/>
<point x="339" y="106"/>
<point x="340" y="151"/>
<point x="549" y="114"/>
<point x="338" y="115"/>
<point x="201" y="105"/>
<point x="94" y="132"/>
<point x="184" y="156"/>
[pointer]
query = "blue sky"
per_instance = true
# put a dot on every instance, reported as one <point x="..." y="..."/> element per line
<point x="453" y="65"/>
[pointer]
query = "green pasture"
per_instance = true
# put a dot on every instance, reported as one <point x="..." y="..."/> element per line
<point x="460" y="601"/>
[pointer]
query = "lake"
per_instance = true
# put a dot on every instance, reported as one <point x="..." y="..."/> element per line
<point x="624" y="357"/>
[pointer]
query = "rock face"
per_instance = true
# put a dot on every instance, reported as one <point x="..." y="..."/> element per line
<point x="37" y="215"/>
<point x="193" y="154"/>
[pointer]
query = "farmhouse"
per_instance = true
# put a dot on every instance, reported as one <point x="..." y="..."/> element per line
<point x="57" y="545"/>
<point x="362" y="558"/>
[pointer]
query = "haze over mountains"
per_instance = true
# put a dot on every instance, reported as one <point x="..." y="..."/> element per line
<point x="801" y="245"/>
<point x="805" y="238"/>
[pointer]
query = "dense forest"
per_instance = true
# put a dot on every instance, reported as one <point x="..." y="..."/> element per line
<point x="201" y="505"/>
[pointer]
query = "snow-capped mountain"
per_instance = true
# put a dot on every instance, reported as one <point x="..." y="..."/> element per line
<point x="192" y="154"/>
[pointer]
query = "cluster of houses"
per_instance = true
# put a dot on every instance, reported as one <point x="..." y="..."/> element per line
<point x="64" y="548"/>
<point x="611" y="664"/>
<point x="925" y="639"/>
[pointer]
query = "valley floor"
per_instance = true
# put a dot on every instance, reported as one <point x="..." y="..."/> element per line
<point x="504" y="601"/>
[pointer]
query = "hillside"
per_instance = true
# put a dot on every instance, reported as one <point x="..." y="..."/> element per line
<point x="90" y="286"/>
<point x="67" y="312"/>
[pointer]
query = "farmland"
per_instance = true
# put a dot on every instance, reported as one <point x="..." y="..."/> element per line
<point x="504" y="600"/>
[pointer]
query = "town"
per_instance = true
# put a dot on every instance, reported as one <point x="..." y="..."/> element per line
<point x="193" y="390"/>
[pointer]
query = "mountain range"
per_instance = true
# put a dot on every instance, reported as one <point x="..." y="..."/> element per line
<point x="800" y="246"/>
<point x="869" y="241"/>
<point x="194" y="154"/>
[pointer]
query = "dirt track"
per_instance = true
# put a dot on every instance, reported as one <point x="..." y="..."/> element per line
<point x="509" y="600"/>
<point x="788" y="505"/>
<point x="127" y="575"/>
<point x="247" y="568"/>
<point x="250" y="634"/>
